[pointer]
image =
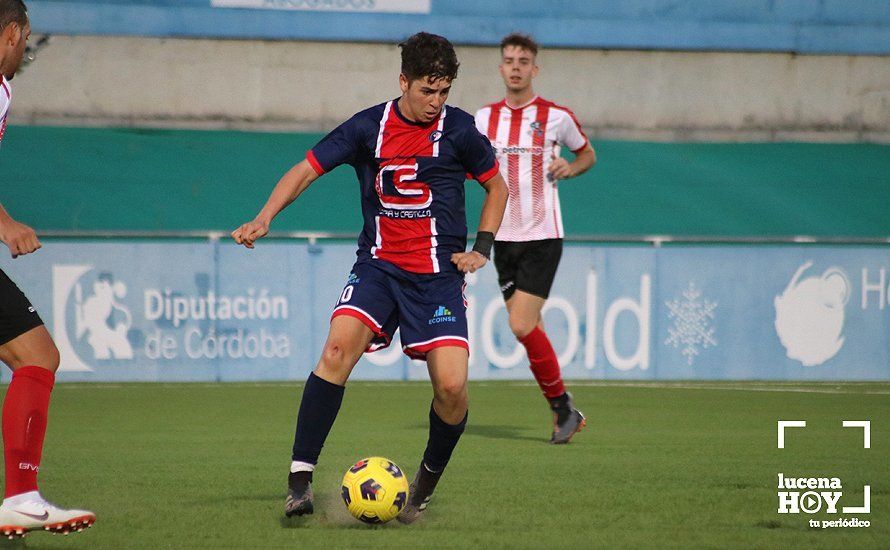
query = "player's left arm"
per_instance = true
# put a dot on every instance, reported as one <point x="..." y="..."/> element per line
<point x="570" y="134"/>
<point x="562" y="169"/>
<point x="490" y="221"/>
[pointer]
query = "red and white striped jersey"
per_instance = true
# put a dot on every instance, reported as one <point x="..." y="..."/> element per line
<point x="5" y="99"/>
<point x="526" y="140"/>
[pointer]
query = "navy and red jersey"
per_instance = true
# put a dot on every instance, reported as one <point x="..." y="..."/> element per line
<point x="412" y="182"/>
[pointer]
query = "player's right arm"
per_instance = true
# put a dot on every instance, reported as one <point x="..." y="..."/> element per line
<point x="336" y="148"/>
<point x="18" y="237"/>
<point x="288" y="188"/>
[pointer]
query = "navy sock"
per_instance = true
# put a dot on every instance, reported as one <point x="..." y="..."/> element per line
<point x="318" y="410"/>
<point x="443" y="439"/>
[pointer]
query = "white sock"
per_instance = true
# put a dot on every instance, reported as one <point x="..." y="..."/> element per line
<point x="30" y="496"/>
<point x="297" y="466"/>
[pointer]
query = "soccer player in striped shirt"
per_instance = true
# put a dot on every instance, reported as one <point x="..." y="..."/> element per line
<point x="411" y="156"/>
<point x="528" y="132"/>
<point x="25" y="345"/>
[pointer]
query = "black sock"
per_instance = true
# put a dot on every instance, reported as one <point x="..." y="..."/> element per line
<point x="560" y="405"/>
<point x="299" y="481"/>
<point x="318" y="410"/>
<point x="443" y="439"/>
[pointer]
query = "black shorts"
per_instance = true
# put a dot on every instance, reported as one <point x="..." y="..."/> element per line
<point x="17" y="315"/>
<point x="529" y="266"/>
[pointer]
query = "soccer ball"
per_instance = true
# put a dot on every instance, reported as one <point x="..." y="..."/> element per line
<point x="375" y="490"/>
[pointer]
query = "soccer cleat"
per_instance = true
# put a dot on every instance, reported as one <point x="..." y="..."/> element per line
<point x="567" y="419"/>
<point x="419" y="494"/>
<point x="39" y="515"/>
<point x="299" y="494"/>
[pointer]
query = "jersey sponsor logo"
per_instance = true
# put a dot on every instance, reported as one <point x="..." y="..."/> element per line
<point x="406" y="214"/>
<point x="435" y="136"/>
<point x="398" y="188"/>
<point x="517" y="150"/>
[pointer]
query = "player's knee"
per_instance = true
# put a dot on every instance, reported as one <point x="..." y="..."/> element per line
<point x="521" y="326"/>
<point x="36" y="352"/>
<point x="333" y="356"/>
<point x="51" y="358"/>
<point x="453" y="392"/>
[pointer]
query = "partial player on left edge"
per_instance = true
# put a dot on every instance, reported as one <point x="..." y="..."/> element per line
<point x="25" y="345"/>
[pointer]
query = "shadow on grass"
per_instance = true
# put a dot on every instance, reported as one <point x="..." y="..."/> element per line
<point x="32" y="541"/>
<point x="329" y="512"/>
<point x="337" y="518"/>
<point x="494" y="431"/>
<point x="296" y="522"/>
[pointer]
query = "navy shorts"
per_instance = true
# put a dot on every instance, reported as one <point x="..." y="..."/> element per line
<point x="430" y="310"/>
<point x="17" y="315"/>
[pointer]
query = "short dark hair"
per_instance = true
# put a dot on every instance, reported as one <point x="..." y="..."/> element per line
<point x="520" y="40"/>
<point x="428" y="55"/>
<point x="13" y="11"/>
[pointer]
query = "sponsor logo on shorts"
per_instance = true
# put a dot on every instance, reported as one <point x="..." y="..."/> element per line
<point x="31" y="309"/>
<point x="353" y="279"/>
<point x="506" y="287"/>
<point x="442" y="315"/>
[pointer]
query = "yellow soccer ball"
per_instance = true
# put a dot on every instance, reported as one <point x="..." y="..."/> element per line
<point x="375" y="490"/>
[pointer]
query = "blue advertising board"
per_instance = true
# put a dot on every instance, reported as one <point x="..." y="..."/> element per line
<point x="210" y="311"/>
<point x="806" y="26"/>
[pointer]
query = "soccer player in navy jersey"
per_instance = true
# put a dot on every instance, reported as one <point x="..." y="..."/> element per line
<point x="412" y="156"/>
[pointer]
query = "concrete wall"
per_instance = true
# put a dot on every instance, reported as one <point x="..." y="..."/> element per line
<point x="312" y="86"/>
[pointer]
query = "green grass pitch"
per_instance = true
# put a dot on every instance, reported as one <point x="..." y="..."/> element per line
<point x="659" y="465"/>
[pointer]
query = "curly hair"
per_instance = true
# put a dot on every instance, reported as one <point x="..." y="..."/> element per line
<point x="428" y="55"/>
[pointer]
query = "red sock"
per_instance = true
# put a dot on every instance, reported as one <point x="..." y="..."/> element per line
<point x="24" y="425"/>
<point x="544" y="364"/>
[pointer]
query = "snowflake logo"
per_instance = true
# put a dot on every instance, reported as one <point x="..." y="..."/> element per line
<point x="691" y="328"/>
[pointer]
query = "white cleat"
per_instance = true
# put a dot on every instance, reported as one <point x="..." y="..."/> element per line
<point x="39" y="515"/>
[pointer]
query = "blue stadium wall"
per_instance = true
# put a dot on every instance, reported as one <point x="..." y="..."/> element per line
<point x="805" y="26"/>
<point x="119" y="312"/>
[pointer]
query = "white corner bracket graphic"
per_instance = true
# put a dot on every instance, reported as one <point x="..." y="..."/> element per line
<point x="788" y="424"/>
<point x="866" y="430"/>
<point x="866" y="504"/>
